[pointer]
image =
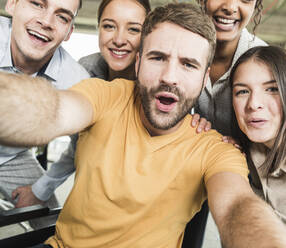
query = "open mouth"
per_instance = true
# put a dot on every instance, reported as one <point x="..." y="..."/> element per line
<point x="166" y="101"/>
<point x="38" y="36"/>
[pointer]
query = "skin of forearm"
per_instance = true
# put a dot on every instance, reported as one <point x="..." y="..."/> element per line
<point x="252" y="223"/>
<point x="28" y="110"/>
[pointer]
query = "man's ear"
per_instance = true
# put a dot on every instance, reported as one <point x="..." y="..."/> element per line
<point x="207" y="75"/>
<point x="69" y="33"/>
<point x="10" y="6"/>
<point x="137" y="64"/>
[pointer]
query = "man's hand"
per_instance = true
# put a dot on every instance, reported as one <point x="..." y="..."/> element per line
<point x="25" y="197"/>
<point x="203" y="123"/>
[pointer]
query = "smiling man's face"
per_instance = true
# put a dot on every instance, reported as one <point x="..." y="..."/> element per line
<point x="38" y="28"/>
<point x="171" y="74"/>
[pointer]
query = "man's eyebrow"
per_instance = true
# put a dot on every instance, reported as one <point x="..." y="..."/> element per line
<point x="62" y="10"/>
<point x="191" y="61"/>
<point x="66" y="11"/>
<point x="185" y="59"/>
<point x="156" y="53"/>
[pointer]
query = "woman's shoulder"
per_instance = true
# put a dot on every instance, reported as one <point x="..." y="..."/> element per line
<point x="251" y="39"/>
<point x="95" y="65"/>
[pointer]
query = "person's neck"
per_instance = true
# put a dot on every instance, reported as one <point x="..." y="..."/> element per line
<point x="128" y="73"/>
<point x="222" y="59"/>
<point x="28" y="67"/>
<point x="155" y="131"/>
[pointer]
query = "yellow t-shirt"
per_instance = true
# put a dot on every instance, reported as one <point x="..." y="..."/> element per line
<point x="131" y="189"/>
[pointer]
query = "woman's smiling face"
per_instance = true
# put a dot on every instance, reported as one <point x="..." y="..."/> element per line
<point x="119" y="33"/>
<point x="230" y="17"/>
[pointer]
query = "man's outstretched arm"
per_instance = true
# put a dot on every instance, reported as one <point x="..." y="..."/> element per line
<point x="243" y="219"/>
<point x="33" y="112"/>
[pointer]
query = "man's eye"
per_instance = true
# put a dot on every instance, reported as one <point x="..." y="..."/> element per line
<point x="37" y="4"/>
<point x="63" y="18"/>
<point x="157" y="58"/>
<point x="189" y="65"/>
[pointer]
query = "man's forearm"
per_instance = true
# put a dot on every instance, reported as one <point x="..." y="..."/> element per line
<point x="252" y="223"/>
<point x="57" y="174"/>
<point x="28" y="110"/>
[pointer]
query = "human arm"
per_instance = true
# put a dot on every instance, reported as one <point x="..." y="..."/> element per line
<point x="57" y="174"/>
<point x="45" y="186"/>
<point x="33" y="112"/>
<point x="242" y="218"/>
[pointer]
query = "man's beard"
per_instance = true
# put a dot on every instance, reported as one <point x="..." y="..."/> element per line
<point x="159" y="119"/>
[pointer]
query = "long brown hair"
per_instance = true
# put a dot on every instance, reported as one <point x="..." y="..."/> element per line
<point x="275" y="59"/>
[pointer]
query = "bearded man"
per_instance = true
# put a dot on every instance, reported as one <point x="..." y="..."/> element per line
<point x="142" y="172"/>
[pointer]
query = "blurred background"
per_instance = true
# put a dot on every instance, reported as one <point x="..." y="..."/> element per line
<point x="84" y="39"/>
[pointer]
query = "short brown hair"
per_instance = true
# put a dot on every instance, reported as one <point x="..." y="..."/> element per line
<point x="185" y="15"/>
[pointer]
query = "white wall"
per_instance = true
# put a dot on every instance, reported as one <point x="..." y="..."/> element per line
<point x="80" y="44"/>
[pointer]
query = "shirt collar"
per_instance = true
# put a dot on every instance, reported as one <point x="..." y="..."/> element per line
<point x="52" y="70"/>
<point x="242" y="46"/>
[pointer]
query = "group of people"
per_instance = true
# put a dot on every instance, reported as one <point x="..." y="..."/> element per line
<point x="143" y="166"/>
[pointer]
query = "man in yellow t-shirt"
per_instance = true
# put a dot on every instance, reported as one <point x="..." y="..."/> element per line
<point x="142" y="171"/>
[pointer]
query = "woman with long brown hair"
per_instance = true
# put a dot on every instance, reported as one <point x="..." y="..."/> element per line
<point x="258" y="81"/>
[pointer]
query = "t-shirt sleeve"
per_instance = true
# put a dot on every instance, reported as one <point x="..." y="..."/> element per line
<point x="223" y="157"/>
<point x="104" y="96"/>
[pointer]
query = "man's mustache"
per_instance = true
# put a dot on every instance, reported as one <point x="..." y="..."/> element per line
<point x="166" y="88"/>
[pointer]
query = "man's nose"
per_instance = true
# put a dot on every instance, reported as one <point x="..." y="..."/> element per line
<point x="46" y="19"/>
<point x="169" y="74"/>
